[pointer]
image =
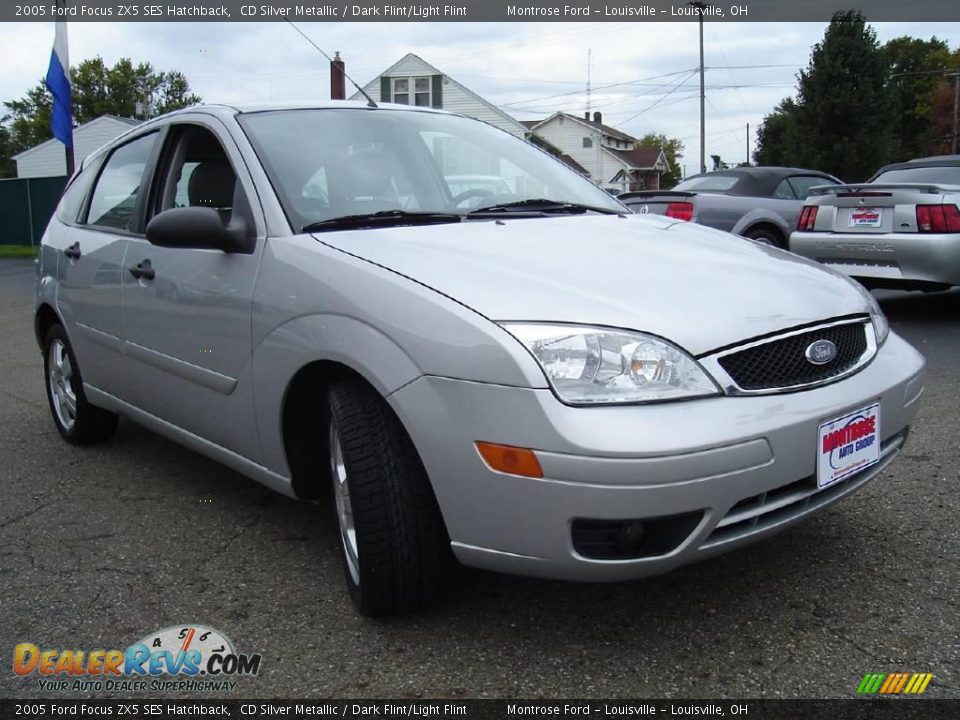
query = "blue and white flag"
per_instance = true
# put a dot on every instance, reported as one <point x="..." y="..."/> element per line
<point x="58" y="83"/>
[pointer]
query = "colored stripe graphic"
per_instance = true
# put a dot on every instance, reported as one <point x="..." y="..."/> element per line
<point x="870" y="683"/>
<point x="894" y="683"/>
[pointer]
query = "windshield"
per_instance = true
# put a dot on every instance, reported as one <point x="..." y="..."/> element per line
<point x="717" y="183"/>
<point x="944" y="175"/>
<point x="333" y="163"/>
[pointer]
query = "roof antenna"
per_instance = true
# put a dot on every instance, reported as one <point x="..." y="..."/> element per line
<point x="370" y="102"/>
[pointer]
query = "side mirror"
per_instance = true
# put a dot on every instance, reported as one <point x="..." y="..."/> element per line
<point x="199" y="228"/>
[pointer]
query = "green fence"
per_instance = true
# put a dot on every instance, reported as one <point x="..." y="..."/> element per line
<point x="26" y="205"/>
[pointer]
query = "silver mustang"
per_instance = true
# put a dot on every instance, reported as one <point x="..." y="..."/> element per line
<point x="900" y="229"/>
<point x="523" y="373"/>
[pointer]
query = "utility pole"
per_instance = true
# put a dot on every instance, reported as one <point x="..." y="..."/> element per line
<point x="699" y="4"/>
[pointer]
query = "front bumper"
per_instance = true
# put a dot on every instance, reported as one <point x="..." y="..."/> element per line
<point x="642" y="461"/>
<point x="890" y="257"/>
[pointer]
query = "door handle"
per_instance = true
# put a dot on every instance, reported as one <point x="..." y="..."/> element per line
<point x="73" y="252"/>
<point x="143" y="271"/>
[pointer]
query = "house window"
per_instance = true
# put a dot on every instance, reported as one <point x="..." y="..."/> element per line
<point x="588" y="142"/>
<point x="411" y="91"/>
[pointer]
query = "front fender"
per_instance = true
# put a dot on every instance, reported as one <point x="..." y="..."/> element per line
<point x="311" y="338"/>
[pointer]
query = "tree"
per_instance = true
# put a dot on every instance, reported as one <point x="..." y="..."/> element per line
<point x="777" y="136"/>
<point x="916" y="75"/>
<point x="7" y="165"/>
<point x="845" y="112"/>
<point x="672" y="148"/>
<point x="125" y="89"/>
<point x="843" y="118"/>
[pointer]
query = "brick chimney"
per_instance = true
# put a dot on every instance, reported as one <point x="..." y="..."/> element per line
<point x="597" y="118"/>
<point x="337" y="82"/>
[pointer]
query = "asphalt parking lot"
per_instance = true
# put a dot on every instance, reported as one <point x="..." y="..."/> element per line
<point x="101" y="546"/>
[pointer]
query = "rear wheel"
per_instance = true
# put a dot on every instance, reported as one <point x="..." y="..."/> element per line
<point x="391" y="534"/>
<point x="77" y="420"/>
<point x="767" y="236"/>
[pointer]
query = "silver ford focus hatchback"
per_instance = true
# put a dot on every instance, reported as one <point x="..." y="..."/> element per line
<point x="517" y="372"/>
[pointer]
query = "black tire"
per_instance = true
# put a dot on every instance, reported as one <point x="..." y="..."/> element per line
<point x="89" y="423"/>
<point x="767" y="237"/>
<point x="401" y="542"/>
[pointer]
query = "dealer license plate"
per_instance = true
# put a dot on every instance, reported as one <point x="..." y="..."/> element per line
<point x="866" y="217"/>
<point x="848" y="445"/>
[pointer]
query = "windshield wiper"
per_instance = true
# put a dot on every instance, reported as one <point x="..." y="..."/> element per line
<point x="542" y="205"/>
<point x="383" y="218"/>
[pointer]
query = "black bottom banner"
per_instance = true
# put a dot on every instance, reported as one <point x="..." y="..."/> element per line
<point x="859" y="709"/>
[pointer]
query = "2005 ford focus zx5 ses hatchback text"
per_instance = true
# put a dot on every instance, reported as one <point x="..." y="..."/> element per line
<point x="521" y="374"/>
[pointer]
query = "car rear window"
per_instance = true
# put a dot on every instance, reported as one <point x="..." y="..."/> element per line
<point x="716" y="183"/>
<point x="944" y="174"/>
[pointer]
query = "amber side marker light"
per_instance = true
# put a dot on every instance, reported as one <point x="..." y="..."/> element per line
<point x="510" y="460"/>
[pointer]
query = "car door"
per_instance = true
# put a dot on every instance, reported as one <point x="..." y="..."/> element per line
<point x="186" y="312"/>
<point x="92" y="241"/>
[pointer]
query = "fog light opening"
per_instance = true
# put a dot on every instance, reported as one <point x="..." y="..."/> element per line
<point x="630" y="537"/>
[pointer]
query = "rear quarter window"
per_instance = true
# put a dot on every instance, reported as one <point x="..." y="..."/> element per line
<point x="68" y="210"/>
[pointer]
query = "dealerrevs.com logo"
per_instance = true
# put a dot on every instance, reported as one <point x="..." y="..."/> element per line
<point x="178" y="658"/>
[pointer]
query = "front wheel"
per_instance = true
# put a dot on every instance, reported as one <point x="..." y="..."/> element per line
<point x="77" y="420"/>
<point x="392" y="538"/>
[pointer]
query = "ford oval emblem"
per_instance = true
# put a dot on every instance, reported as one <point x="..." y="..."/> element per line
<point x="821" y="352"/>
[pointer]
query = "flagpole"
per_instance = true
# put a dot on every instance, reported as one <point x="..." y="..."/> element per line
<point x="58" y="83"/>
<point x="68" y="150"/>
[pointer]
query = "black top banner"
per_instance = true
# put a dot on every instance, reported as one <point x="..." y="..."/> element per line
<point x="478" y="11"/>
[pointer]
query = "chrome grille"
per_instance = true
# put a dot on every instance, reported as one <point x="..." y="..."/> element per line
<point x="781" y="362"/>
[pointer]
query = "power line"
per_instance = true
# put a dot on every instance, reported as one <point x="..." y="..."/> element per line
<point x="595" y="88"/>
<point x="650" y="107"/>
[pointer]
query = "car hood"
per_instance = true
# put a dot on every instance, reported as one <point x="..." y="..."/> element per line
<point x="697" y="287"/>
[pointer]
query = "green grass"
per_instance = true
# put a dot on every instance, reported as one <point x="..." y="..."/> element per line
<point x="17" y="251"/>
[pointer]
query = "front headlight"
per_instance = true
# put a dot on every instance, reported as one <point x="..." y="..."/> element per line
<point x="588" y="365"/>
<point x="881" y="326"/>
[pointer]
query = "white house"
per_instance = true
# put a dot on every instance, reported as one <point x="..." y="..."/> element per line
<point x="610" y="157"/>
<point x="413" y="81"/>
<point x="47" y="159"/>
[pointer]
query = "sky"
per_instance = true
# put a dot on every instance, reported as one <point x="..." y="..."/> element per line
<point x="643" y="75"/>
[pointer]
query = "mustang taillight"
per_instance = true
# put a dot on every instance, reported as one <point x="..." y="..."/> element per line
<point x="807" y="219"/>
<point x="680" y="211"/>
<point x="938" y="218"/>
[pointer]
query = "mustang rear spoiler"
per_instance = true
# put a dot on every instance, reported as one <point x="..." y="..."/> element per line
<point x="646" y="194"/>
<point x="866" y="189"/>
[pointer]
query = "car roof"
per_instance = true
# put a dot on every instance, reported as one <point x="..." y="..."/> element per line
<point x="763" y="171"/>
<point x="759" y="180"/>
<point x="255" y="107"/>
<point x="933" y="161"/>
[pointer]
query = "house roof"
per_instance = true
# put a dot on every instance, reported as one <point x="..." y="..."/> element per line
<point x="605" y="129"/>
<point x="641" y="158"/>
<point x="128" y="122"/>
